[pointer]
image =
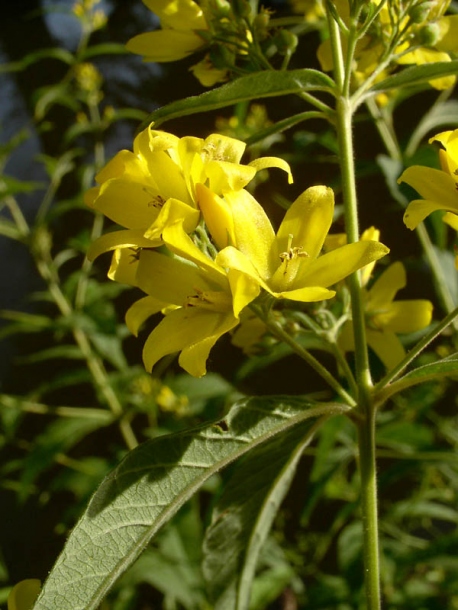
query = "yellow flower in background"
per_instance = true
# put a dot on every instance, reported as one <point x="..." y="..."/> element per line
<point x="428" y="37"/>
<point x="207" y="74"/>
<point x="288" y="264"/>
<point x="385" y="317"/>
<point x="178" y="38"/>
<point x="438" y="38"/>
<point x="155" y="185"/>
<point x="23" y="595"/>
<point x="187" y="27"/>
<point x="438" y="187"/>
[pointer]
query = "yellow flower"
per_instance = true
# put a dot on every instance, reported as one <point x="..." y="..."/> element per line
<point x="195" y="294"/>
<point x="155" y="185"/>
<point x="385" y="317"/>
<point x="178" y="38"/>
<point x="441" y="39"/>
<point x="428" y="37"/>
<point x="439" y="188"/>
<point x="24" y="594"/>
<point x="207" y="74"/>
<point x="452" y="221"/>
<point x="287" y="265"/>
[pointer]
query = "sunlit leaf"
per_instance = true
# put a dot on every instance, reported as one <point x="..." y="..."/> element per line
<point x="416" y="75"/>
<point x="254" y="86"/>
<point x="245" y="513"/>
<point x="444" y="369"/>
<point x="149" y="486"/>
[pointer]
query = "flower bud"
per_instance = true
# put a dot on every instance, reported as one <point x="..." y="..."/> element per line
<point x="286" y="42"/>
<point x="222" y="8"/>
<point x="429" y="34"/>
<point x="222" y="57"/>
<point x="419" y="14"/>
<point x="241" y="8"/>
<point x="260" y="25"/>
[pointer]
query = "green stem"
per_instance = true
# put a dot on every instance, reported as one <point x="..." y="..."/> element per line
<point x="95" y="365"/>
<point x="366" y="408"/>
<point x="419" y="347"/>
<point x="369" y="511"/>
<point x="443" y="291"/>
<point x="276" y="329"/>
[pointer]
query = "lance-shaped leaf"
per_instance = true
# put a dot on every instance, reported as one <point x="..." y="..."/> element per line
<point x="245" y="513"/>
<point x="147" y="489"/>
<point x="416" y="75"/>
<point x="247" y="88"/>
<point x="443" y="369"/>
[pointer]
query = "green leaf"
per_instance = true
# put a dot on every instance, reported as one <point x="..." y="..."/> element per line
<point x="245" y="513"/>
<point x="57" y="438"/>
<point x="148" y="488"/>
<point x="13" y="186"/>
<point x="280" y="126"/>
<point x="105" y="48"/>
<point x="416" y="75"/>
<point x="254" y="86"/>
<point x="54" y="94"/>
<point x="54" y="53"/>
<point x="444" y="369"/>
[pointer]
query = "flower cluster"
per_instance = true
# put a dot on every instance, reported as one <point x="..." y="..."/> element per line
<point x="438" y="187"/>
<point x="187" y="27"/>
<point x="201" y="247"/>
<point x="416" y="32"/>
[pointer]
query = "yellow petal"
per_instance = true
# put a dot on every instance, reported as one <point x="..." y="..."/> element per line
<point x="127" y="203"/>
<point x="451" y="220"/>
<point x="120" y="239"/>
<point x="193" y="359"/>
<point x="424" y="55"/>
<point x="231" y="258"/>
<point x="168" y="279"/>
<point x="387" y="346"/>
<point x="180" y="243"/>
<point x="171" y="212"/>
<point x="23" y="595"/>
<point x="140" y="311"/>
<point x="192" y="330"/>
<point x="433" y="184"/>
<point x="387" y="285"/>
<point x="224" y="176"/>
<point x="123" y="268"/>
<point x="219" y="147"/>
<point x="406" y="316"/>
<point x="338" y="264"/>
<point x="449" y="39"/>
<point x="244" y="290"/>
<point x="419" y="209"/>
<point x="218" y="216"/>
<point x="180" y="14"/>
<point x="310" y="294"/>
<point x="207" y="74"/>
<point x="165" y="45"/>
<point x="266" y="162"/>
<point x="254" y="235"/>
<point x="308" y="220"/>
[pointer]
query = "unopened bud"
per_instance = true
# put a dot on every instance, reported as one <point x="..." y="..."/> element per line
<point x="286" y="42"/>
<point x="222" y="57"/>
<point x="429" y="34"/>
<point x="241" y="8"/>
<point x="222" y="8"/>
<point x="419" y="14"/>
<point x="260" y="25"/>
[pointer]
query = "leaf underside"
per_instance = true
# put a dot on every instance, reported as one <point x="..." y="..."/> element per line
<point x="150" y="485"/>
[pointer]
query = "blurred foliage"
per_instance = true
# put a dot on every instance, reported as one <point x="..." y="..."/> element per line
<point x="77" y="401"/>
